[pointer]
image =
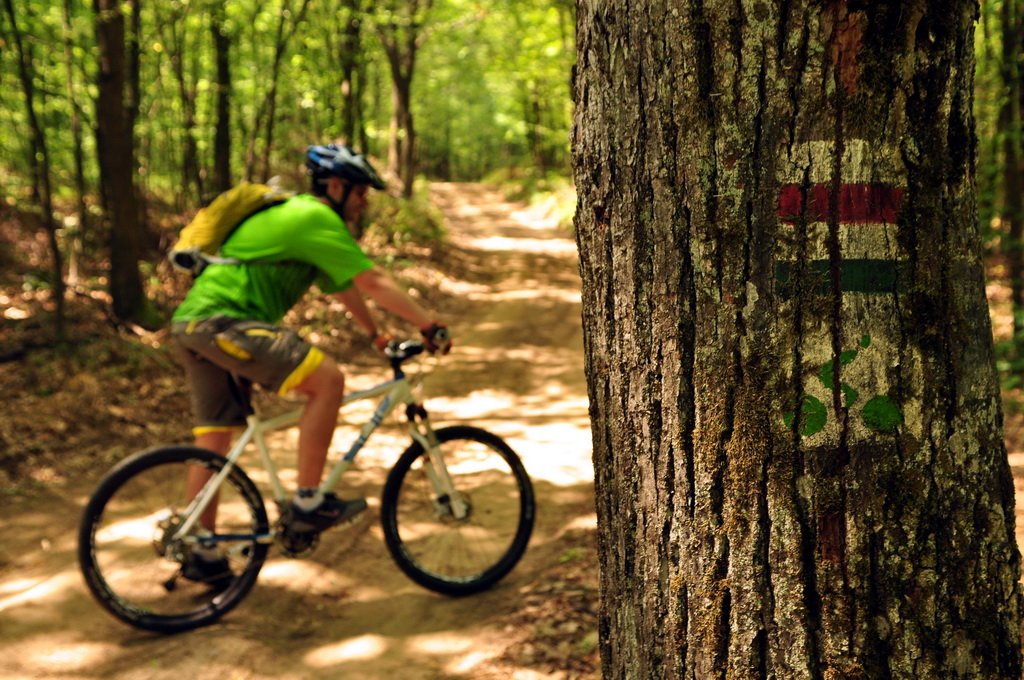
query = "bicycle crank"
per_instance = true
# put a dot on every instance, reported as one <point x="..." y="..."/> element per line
<point x="291" y="543"/>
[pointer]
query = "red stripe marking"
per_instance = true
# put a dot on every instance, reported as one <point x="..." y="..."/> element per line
<point x="858" y="203"/>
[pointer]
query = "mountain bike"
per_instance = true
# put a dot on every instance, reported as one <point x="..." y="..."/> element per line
<point x="457" y="511"/>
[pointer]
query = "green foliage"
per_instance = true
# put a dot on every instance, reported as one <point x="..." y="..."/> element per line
<point x="490" y="88"/>
<point x="399" y="222"/>
<point x="553" y="194"/>
<point x="990" y="98"/>
<point x="494" y="91"/>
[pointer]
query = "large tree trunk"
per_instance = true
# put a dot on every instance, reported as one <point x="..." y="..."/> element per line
<point x="799" y="464"/>
<point x="114" y="146"/>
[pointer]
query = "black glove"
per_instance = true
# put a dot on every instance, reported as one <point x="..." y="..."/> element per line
<point x="437" y="338"/>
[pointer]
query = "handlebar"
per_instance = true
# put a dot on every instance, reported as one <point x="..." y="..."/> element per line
<point x="400" y="351"/>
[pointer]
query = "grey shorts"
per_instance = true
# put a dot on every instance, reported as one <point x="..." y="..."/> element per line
<point x="213" y="349"/>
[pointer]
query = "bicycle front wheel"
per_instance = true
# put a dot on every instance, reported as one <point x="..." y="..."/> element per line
<point x="463" y="544"/>
<point x="138" y="567"/>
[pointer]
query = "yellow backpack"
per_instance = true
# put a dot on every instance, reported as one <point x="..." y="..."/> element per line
<point x="200" y="241"/>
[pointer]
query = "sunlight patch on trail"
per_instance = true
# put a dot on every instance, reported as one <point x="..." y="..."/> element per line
<point x="570" y="296"/>
<point x="552" y="436"/>
<point x="547" y="246"/>
<point x="60" y="655"/>
<point x="45" y="589"/>
<point x="362" y="648"/>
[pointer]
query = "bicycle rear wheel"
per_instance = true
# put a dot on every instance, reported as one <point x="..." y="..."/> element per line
<point x="130" y="559"/>
<point x="430" y="544"/>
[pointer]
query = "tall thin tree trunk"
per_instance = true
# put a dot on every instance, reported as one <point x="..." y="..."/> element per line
<point x="401" y="149"/>
<point x="133" y="51"/>
<point x="222" y="134"/>
<point x="800" y="470"/>
<point x="190" y="170"/>
<point x="40" y="162"/>
<point x="266" y="115"/>
<point x="402" y="35"/>
<point x="81" y="231"/>
<point x="1013" y="183"/>
<point x="114" y="141"/>
<point x="350" y="57"/>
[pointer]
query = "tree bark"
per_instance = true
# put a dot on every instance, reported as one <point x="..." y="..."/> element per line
<point x="349" y="58"/>
<point x="133" y="52"/>
<point x="1013" y="181"/>
<point x="81" y="231"/>
<point x="268" y="109"/>
<point x="40" y="163"/>
<point x="114" y="146"/>
<point x="402" y="35"/>
<point x="222" y="133"/>
<point x="799" y="465"/>
<point x="176" y="38"/>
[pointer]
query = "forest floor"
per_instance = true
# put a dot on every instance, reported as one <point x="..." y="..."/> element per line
<point x="507" y="282"/>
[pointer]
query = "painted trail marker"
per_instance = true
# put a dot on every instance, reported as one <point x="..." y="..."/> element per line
<point x="858" y="257"/>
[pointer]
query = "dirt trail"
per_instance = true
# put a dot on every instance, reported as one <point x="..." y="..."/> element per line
<point x="347" y="611"/>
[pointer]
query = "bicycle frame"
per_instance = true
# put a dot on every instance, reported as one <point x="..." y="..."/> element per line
<point x="395" y="392"/>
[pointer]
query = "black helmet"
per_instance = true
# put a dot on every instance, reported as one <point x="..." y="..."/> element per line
<point x="335" y="160"/>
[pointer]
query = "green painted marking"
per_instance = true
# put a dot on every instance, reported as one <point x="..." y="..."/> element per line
<point x="882" y="414"/>
<point x="859" y="276"/>
<point x="813" y="416"/>
<point x="825" y="377"/>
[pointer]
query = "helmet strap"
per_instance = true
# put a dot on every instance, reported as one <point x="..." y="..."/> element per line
<point x="345" y="195"/>
<point x="339" y="206"/>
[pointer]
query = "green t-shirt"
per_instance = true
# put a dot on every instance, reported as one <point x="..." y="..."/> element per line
<point x="284" y="249"/>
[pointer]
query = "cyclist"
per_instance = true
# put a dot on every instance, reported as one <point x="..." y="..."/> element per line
<point x="228" y="324"/>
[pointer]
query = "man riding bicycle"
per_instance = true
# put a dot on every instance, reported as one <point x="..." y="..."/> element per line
<point x="228" y="324"/>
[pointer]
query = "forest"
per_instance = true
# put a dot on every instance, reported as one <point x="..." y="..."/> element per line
<point x="124" y="118"/>
<point x="206" y="94"/>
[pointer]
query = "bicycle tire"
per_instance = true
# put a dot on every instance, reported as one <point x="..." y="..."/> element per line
<point x="125" y="571"/>
<point x="425" y="539"/>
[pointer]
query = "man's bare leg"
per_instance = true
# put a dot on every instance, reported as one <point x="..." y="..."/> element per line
<point x="218" y="441"/>
<point x="324" y="389"/>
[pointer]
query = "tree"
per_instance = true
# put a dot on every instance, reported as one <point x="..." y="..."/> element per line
<point x="174" y="30"/>
<point x="1013" y="139"/>
<point x="348" y="59"/>
<point x="797" y="432"/>
<point x="400" y="27"/>
<point x="266" y="115"/>
<point x="40" y="163"/>
<point x="222" y="127"/>
<point x="81" y="231"/>
<point x="114" y="142"/>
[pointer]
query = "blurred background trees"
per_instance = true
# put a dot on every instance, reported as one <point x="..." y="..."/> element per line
<point x="119" y="112"/>
<point x="214" y="91"/>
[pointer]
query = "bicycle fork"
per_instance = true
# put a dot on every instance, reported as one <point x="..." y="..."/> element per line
<point x="447" y="498"/>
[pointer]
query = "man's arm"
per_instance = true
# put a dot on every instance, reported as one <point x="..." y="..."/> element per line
<point x="353" y="301"/>
<point x="377" y="285"/>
